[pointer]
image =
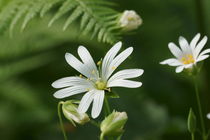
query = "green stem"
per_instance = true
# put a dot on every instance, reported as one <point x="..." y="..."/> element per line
<point x="200" y="15"/>
<point x="102" y="136"/>
<point x="200" y="110"/>
<point x="94" y="123"/>
<point x="107" y="106"/>
<point x="192" y="136"/>
<point x="61" y="121"/>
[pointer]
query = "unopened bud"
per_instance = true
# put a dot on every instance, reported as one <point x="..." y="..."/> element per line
<point x="70" y="111"/>
<point x="130" y="20"/>
<point x="113" y="124"/>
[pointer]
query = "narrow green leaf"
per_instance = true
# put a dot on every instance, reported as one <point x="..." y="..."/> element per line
<point x="84" y="20"/>
<point x="76" y="13"/>
<point x="47" y="6"/>
<point x="89" y="26"/>
<point x="22" y="10"/>
<point x="101" y="33"/>
<point x="32" y="12"/>
<point x="67" y="6"/>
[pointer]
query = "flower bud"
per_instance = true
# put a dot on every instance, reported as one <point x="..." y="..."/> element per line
<point x="130" y="20"/>
<point x="113" y="124"/>
<point x="71" y="113"/>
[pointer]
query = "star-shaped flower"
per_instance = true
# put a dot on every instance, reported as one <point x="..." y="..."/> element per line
<point x="189" y="54"/>
<point x="94" y="81"/>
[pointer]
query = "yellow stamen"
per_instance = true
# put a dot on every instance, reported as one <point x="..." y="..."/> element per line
<point x="99" y="63"/>
<point x="80" y="76"/>
<point x="113" y="68"/>
<point x="130" y="18"/>
<point x="88" y="89"/>
<point x="187" y="59"/>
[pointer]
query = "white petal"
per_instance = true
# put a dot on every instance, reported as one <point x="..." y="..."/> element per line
<point x="88" y="61"/>
<point x="126" y="74"/>
<point x="76" y="64"/>
<point x="97" y="103"/>
<point x="179" y="69"/>
<point x="118" y="60"/>
<point x="184" y="44"/>
<point x="188" y="66"/>
<point x="109" y="58"/>
<point x="175" y="50"/>
<point x="66" y="92"/>
<point x="86" y="101"/>
<point x="194" y="41"/>
<point x="205" y="52"/>
<point x="171" y="62"/>
<point x="71" y="81"/>
<point x="202" y="57"/>
<point x="124" y="83"/>
<point x="200" y="46"/>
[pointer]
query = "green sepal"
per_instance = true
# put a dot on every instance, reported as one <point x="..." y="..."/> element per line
<point x="112" y="95"/>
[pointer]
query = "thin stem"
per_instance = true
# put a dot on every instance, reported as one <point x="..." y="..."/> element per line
<point x="200" y="110"/>
<point x="200" y="15"/>
<point x="61" y="121"/>
<point x="192" y="136"/>
<point x="94" y="123"/>
<point x="107" y="106"/>
<point x="102" y="136"/>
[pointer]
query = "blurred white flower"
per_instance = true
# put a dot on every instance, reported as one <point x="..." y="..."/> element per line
<point x="188" y="55"/>
<point x="208" y="115"/>
<point x="70" y="111"/>
<point x="130" y="20"/>
<point x="95" y="82"/>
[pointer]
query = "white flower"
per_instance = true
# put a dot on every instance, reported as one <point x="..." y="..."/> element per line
<point x="188" y="55"/>
<point x="208" y="115"/>
<point x="95" y="82"/>
<point x="130" y="20"/>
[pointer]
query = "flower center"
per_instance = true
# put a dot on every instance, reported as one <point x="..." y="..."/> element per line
<point x="100" y="85"/>
<point x="187" y="59"/>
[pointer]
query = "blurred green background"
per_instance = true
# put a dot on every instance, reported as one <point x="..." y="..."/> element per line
<point x="30" y="61"/>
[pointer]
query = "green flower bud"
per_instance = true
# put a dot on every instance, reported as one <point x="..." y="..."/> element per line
<point x="70" y="111"/>
<point x="113" y="124"/>
<point x="191" y="123"/>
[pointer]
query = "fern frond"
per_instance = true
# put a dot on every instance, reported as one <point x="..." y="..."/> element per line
<point x="95" y="16"/>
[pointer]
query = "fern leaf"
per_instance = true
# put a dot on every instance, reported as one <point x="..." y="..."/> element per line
<point x="67" y="6"/>
<point x="47" y="6"/>
<point x="32" y="12"/>
<point x="76" y="13"/>
<point x="97" y="18"/>
<point x="84" y="20"/>
<point x="22" y="10"/>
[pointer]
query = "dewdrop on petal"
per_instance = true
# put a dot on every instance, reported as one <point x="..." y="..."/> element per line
<point x="113" y="124"/>
<point x="71" y="113"/>
<point x="130" y="20"/>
